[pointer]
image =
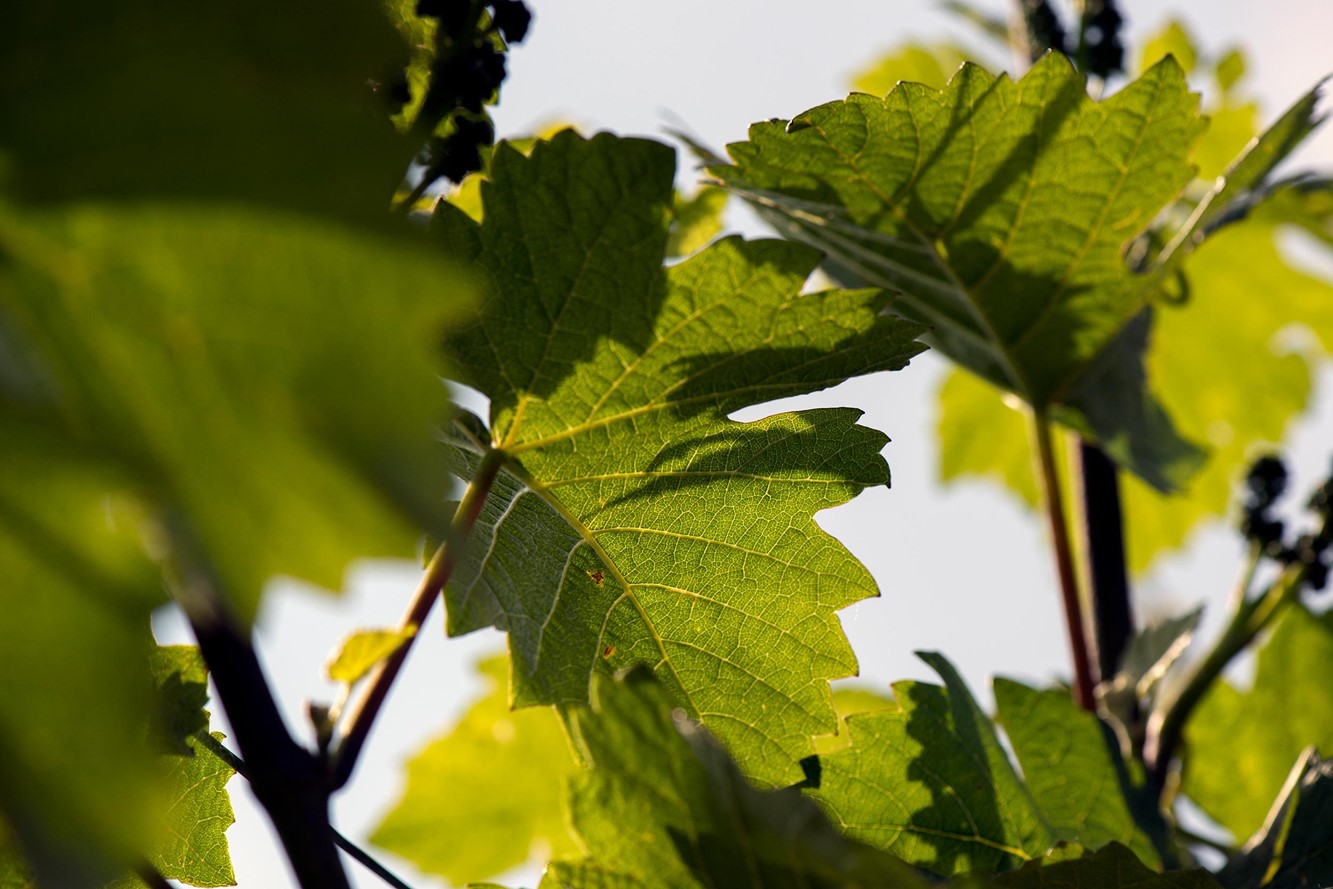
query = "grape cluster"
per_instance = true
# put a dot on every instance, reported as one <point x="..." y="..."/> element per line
<point x="1103" y="53"/>
<point x="471" y="41"/>
<point x="1266" y="482"/>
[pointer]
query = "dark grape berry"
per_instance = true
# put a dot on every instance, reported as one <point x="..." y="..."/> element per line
<point x="1316" y="575"/>
<point x="1267" y="480"/>
<point x="452" y="14"/>
<point x="1105" y="54"/>
<point x="512" y="18"/>
<point x="1261" y="529"/>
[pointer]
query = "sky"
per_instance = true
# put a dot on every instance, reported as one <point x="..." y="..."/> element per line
<point x="962" y="570"/>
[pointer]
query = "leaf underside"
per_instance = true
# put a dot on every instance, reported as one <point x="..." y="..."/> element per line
<point x="1001" y="211"/>
<point x="633" y="521"/>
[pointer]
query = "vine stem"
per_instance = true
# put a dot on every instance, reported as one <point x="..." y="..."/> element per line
<point x="1103" y="537"/>
<point x="438" y="571"/>
<point x="1248" y="620"/>
<point x="237" y="765"/>
<point x="1053" y="502"/>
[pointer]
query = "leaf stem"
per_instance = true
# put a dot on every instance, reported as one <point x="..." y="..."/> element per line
<point x="438" y="571"/>
<point x="1053" y="502"/>
<point x="1248" y="620"/>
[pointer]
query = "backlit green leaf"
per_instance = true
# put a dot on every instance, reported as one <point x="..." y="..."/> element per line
<point x="497" y="779"/>
<point x="1240" y="745"/>
<point x="661" y="805"/>
<point x="633" y="521"/>
<point x="931" y="784"/>
<point x="1002" y="212"/>
<point x="358" y="654"/>
<point x="696" y="220"/>
<point x="1068" y="767"/>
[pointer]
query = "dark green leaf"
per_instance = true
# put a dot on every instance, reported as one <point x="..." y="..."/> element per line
<point x="661" y="805"/>
<point x="1113" y="867"/>
<point x="248" y="101"/>
<point x="930" y="783"/>
<point x="633" y="521"/>
<point x="1002" y="211"/>
<point x="1069" y="768"/>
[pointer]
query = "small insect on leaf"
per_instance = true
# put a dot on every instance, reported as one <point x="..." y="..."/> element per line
<point x="608" y="651"/>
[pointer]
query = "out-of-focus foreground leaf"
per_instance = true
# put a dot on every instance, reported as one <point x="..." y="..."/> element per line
<point x="1113" y="867"/>
<point x="248" y="101"/>
<point x="632" y="521"/>
<point x="661" y="805"/>
<point x="1240" y="745"/>
<point x="497" y="779"/>
<point x="1002" y="212"/>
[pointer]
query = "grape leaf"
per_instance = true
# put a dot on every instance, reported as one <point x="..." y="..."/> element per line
<point x="661" y="805"/>
<point x="930" y="783"/>
<point x="246" y="101"/>
<point x="194" y="809"/>
<point x="1240" y="744"/>
<point x="632" y="521"/>
<point x="1199" y="347"/>
<point x="1113" y="867"/>
<point x="358" y="654"/>
<point x="928" y="65"/>
<point x="232" y="361"/>
<point x="503" y="773"/>
<point x="1002" y="211"/>
<point x="1069" y="768"/>
<point x="1294" y="849"/>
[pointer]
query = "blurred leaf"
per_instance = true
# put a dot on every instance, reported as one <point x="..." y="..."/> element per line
<point x="494" y="783"/>
<point x="282" y="418"/>
<point x="1240" y="744"/>
<point x="931" y="784"/>
<point x="1003" y="225"/>
<point x="1069" y="769"/>
<point x="1230" y="69"/>
<point x="1153" y="650"/>
<point x="76" y="594"/>
<point x="931" y="65"/>
<point x="633" y="521"/>
<point x="982" y="433"/>
<point x="358" y="654"/>
<point x="661" y="805"/>
<point x="695" y="220"/>
<point x="248" y="101"/>
<point x="1294" y="849"/>
<point x="1113" y="867"/>
<point x="1172" y="40"/>
<point x="1230" y="128"/>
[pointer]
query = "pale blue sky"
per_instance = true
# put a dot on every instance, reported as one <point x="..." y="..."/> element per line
<point x="963" y="571"/>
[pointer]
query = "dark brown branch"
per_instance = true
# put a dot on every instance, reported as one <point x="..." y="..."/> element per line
<point x="286" y="778"/>
<point x="1104" y="545"/>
